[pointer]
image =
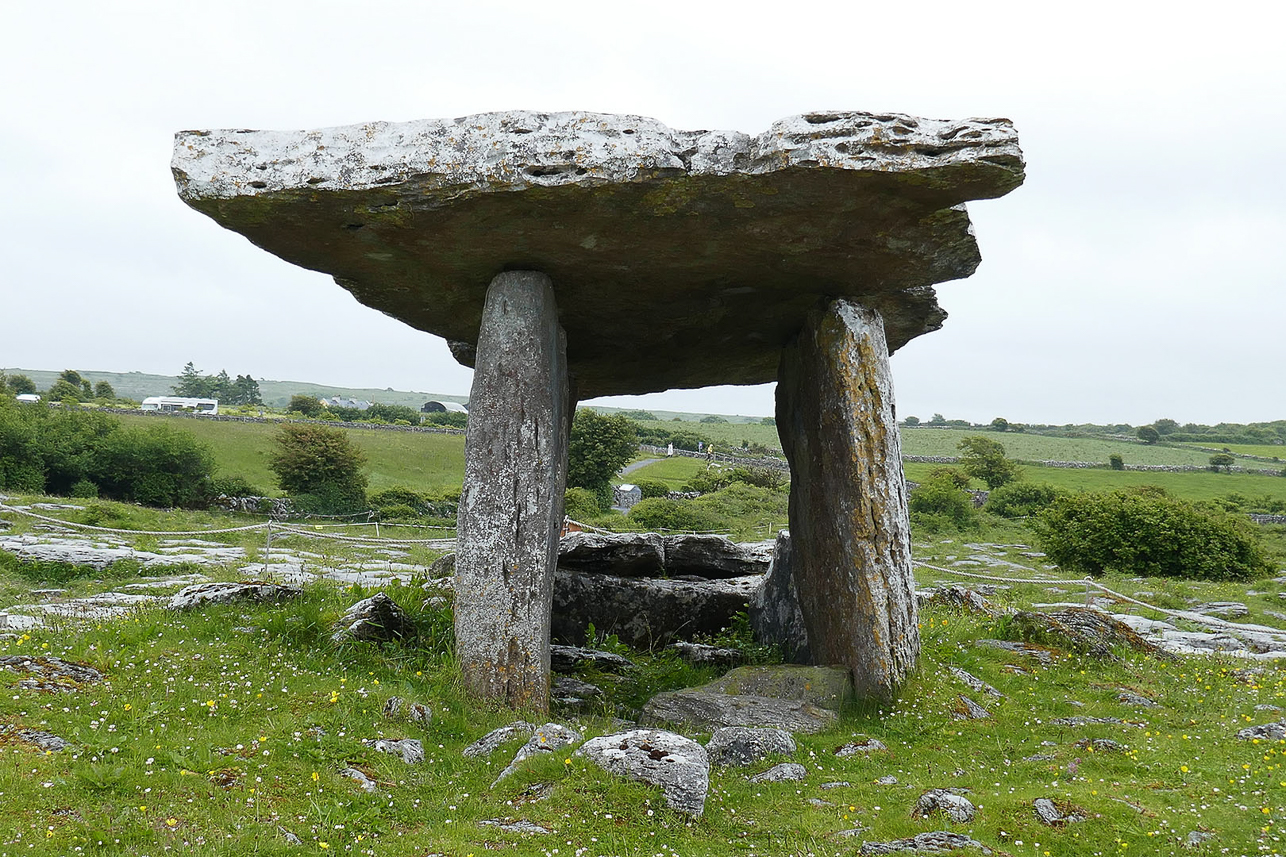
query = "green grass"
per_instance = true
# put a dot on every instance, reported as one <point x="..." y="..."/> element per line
<point x="674" y="472"/>
<point x="1035" y="447"/>
<point x="218" y="728"/>
<point x="1264" y="450"/>
<point x="727" y="437"/>
<point x="421" y="461"/>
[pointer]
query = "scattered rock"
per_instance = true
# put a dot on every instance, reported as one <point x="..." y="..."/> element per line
<point x="1040" y="757"/>
<point x="974" y="683"/>
<point x="1197" y="838"/>
<point x="50" y="674"/>
<point x="1092" y="721"/>
<point x="409" y="750"/>
<point x="678" y="765"/>
<point x="46" y="742"/>
<point x="378" y="619"/>
<point x="365" y="782"/>
<point x="860" y="748"/>
<point x="702" y="711"/>
<point x="826" y="687"/>
<point x="775" y="615"/>
<point x="1266" y="707"/>
<point x="1138" y="700"/>
<point x="201" y="594"/>
<point x="545" y="739"/>
<point x="887" y="780"/>
<point x="967" y="709"/>
<point x="416" y="712"/>
<point x="1100" y="745"/>
<point x="1050" y="814"/>
<point x="290" y="838"/>
<point x="785" y="772"/>
<point x="1223" y="609"/>
<point x="715" y="556"/>
<point x="1041" y="654"/>
<point x="493" y="740"/>
<point x="568" y="686"/>
<point x="959" y="598"/>
<point x="509" y="825"/>
<point x="565" y="659"/>
<point x="739" y="746"/>
<point x="1093" y="632"/>
<point x="702" y="654"/>
<point x="840" y="784"/>
<point x="937" y="842"/>
<point x="957" y="808"/>
<point x="1264" y="732"/>
<point x="619" y="554"/>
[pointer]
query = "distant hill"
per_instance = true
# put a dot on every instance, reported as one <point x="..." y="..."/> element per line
<point x="139" y="385"/>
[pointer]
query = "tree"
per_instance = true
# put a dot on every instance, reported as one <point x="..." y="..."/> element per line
<point x="1224" y="460"/>
<point x="939" y="503"/>
<point x="912" y="421"/>
<point x="1147" y="532"/>
<point x="1148" y="434"/>
<point x="983" y="458"/>
<point x="938" y="420"/>
<point x="62" y="390"/>
<point x="103" y="390"/>
<point x="21" y="384"/>
<point x="192" y="383"/>
<point x="309" y="406"/>
<point x="1000" y="424"/>
<point x="598" y="447"/>
<point x="71" y="376"/>
<point x="245" y="391"/>
<point x="1166" y="426"/>
<point x="1116" y="461"/>
<point x="319" y="467"/>
<point x="768" y="421"/>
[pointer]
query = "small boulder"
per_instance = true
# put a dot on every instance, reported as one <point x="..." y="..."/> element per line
<point x="826" y="687"/>
<point x="678" y="765"/>
<point x="409" y="750"/>
<point x="860" y="748"/>
<point x="974" y="683"/>
<point x="937" y="842"/>
<point x="565" y="659"/>
<point x="546" y="739"/>
<point x="967" y="709"/>
<point x="959" y="598"/>
<point x="783" y="773"/>
<point x="223" y="592"/>
<point x="715" y="556"/>
<point x="703" y="710"/>
<point x="50" y="674"/>
<point x="361" y="778"/>
<point x="509" y="825"/>
<point x="739" y="746"/>
<point x="1264" y="732"/>
<point x="620" y="554"/>
<point x="378" y="619"/>
<point x="492" y="741"/>
<point x="957" y="808"/>
<point x="702" y="654"/>
<point x="45" y="742"/>
<point x="1050" y="814"/>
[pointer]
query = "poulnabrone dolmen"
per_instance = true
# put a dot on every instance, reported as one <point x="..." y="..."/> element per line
<point x="572" y="255"/>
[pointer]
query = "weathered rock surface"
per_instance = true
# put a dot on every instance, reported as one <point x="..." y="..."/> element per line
<point x="619" y="554"/>
<point x="826" y="687"/>
<point x="960" y="598"/>
<point x="739" y="746"/>
<point x="50" y="674"/>
<point x="774" y="611"/>
<point x="1264" y="732"/>
<point x="957" y="808"/>
<point x="510" y="513"/>
<point x="863" y="748"/>
<point x="703" y="654"/>
<point x="566" y="659"/>
<point x="101" y="552"/>
<point x="1087" y="630"/>
<point x="377" y="619"/>
<point x="974" y="683"/>
<point x="409" y="750"/>
<point x="786" y="772"/>
<point x="364" y="782"/>
<point x="851" y="537"/>
<point x="645" y="612"/>
<point x="397" y="708"/>
<point x="937" y="842"/>
<point x="700" y="710"/>
<point x="1049" y="813"/>
<point x="678" y="765"/>
<point x="545" y="739"/>
<point x="36" y="739"/>
<point x="509" y="825"/>
<point x="201" y="594"/>
<point x="724" y="240"/>
<point x="493" y="740"/>
<point x="967" y="709"/>
<point x="715" y="556"/>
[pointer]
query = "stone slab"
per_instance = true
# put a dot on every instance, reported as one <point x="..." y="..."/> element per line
<point x="707" y="246"/>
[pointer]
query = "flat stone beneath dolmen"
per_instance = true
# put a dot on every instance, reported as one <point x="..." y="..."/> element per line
<point x="678" y="258"/>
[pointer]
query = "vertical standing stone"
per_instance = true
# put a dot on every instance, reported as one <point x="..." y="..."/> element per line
<point x="511" y="507"/>
<point x="850" y="536"/>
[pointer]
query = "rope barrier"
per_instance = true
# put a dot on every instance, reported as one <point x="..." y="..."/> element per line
<point x="75" y="525"/>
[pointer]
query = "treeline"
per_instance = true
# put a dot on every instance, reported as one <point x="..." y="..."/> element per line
<point x="69" y="386"/>
<point x="84" y="453"/>
<point x="243" y="390"/>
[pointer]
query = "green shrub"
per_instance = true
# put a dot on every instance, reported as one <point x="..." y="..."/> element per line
<point x="1148" y="532"/>
<point x="984" y="458"/>
<point x="660" y="513"/>
<point x="653" y="488"/>
<point x="235" y="486"/>
<point x="580" y="504"/>
<point x="84" y="489"/>
<point x="320" y="468"/>
<point x="1021" y="499"/>
<point x="1115" y="461"/>
<point x="939" y="504"/>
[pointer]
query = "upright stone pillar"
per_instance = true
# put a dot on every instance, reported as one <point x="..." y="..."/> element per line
<point x="849" y="529"/>
<point x="515" y="471"/>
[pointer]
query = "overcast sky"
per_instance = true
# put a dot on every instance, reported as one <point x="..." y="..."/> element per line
<point x="1137" y="274"/>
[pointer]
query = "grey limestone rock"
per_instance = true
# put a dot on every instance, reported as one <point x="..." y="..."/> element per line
<point x="46" y="742"/>
<point x="967" y="709"/>
<point x="494" y="739"/>
<point x="774" y="607"/>
<point x="1264" y="732"/>
<point x="783" y="773"/>
<point x="1092" y="721"/>
<point x="50" y="674"/>
<point x="1100" y="745"/>
<point x="545" y="739"/>
<point x="201" y="594"/>
<point x="860" y="748"/>
<point x="887" y="780"/>
<point x="1223" y="609"/>
<point x="974" y="683"/>
<point x="678" y="765"/>
<point x="619" y="554"/>
<point x="702" y="654"/>
<point x="957" y="808"/>
<point x="1197" y="838"/>
<point x="1050" y="814"/>
<point x="509" y="825"/>
<point x="414" y="219"/>
<point x="377" y="619"/>
<point x="364" y="782"/>
<point x="565" y="659"/>
<point x="701" y="710"/>
<point x="936" y="842"/>
<point x="1138" y="700"/>
<point x="960" y="598"/>
<point x="851" y="537"/>
<point x="715" y="556"/>
<point x="827" y="687"/>
<point x="409" y="750"/>
<point x="739" y="746"/>
<point x="644" y="612"/>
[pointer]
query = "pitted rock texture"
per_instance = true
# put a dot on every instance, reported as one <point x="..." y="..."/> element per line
<point x="201" y="594"/>
<point x="678" y="765"/>
<point x="706" y="246"/>
<point x="739" y="746"/>
<point x="376" y="619"/>
<point x="774" y="608"/>
<point x="545" y="739"/>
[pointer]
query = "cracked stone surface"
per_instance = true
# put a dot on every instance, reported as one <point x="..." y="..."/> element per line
<point x="680" y="766"/>
<point x="707" y="246"/>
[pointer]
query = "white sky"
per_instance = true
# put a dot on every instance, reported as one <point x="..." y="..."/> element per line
<point x="1137" y="274"/>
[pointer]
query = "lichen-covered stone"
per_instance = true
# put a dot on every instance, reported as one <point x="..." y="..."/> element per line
<point x="739" y="746"/>
<point x="510" y="512"/>
<point x="377" y="619"/>
<point x="850" y="532"/>
<point x="774" y="611"/>
<point x="201" y="594"/>
<point x="706" y="246"/>
<point x="678" y="765"/>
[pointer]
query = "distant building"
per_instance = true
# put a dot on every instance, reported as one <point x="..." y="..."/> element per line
<point x="443" y="407"/>
<point x="626" y="495"/>
<point x="173" y="404"/>
<point x="346" y="402"/>
<point x="28" y="397"/>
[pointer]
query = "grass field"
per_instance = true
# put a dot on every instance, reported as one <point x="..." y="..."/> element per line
<point x="224" y="731"/>
<point x="421" y="461"/>
<point x="1264" y="450"/>
<point x="1035" y="447"/>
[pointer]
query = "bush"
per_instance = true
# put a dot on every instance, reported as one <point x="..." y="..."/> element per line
<point x="653" y="488"/>
<point x="84" y="490"/>
<point x="983" y="458"/>
<point x="319" y="467"/>
<point x="598" y="447"/>
<point x="235" y="486"/>
<point x="309" y="406"/>
<point x="1148" y="532"/>
<point x="1115" y="461"/>
<point x="155" y="466"/>
<point x="940" y="504"/>
<point x="1021" y="499"/>
<point x="659" y="513"/>
<point x="580" y="504"/>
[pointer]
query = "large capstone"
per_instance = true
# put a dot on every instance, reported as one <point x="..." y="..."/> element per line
<point x="707" y="247"/>
<point x="850" y="534"/>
